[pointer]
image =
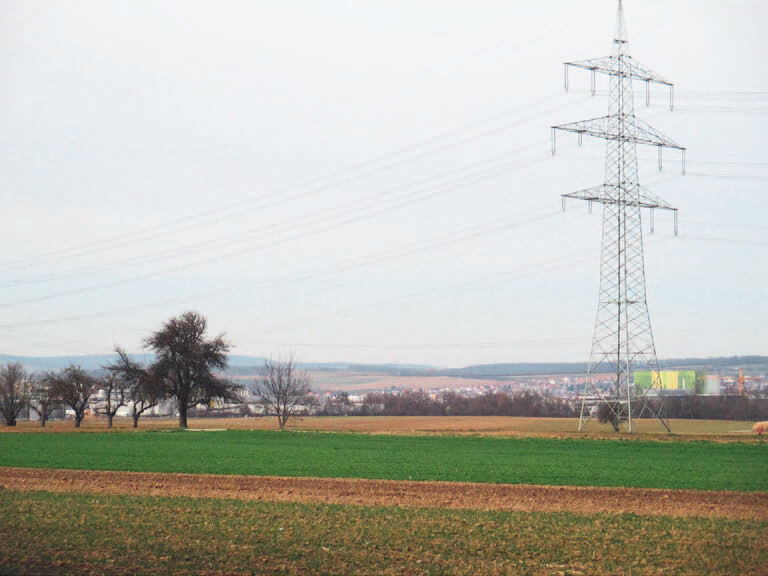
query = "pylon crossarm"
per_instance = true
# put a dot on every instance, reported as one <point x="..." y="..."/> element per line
<point x="609" y="194"/>
<point x="624" y="66"/>
<point x="622" y="128"/>
<point x="647" y="134"/>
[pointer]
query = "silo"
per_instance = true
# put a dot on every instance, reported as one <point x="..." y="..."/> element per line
<point x="712" y="385"/>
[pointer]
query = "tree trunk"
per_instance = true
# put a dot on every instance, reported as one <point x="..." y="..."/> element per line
<point x="135" y="419"/>
<point x="42" y="422"/>
<point x="11" y="422"/>
<point x="182" y="416"/>
<point x="78" y="419"/>
<point x="109" y="420"/>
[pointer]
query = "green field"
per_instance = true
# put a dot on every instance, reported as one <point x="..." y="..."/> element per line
<point x="92" y="534"/>
<point x="576" y="462"/>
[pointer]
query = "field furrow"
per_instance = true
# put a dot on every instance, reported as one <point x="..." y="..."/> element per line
<point x="583" y="500"/>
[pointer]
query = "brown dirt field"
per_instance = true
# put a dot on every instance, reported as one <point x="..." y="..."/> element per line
<point x="518" y="497"/>
<point x="713" y="430"/>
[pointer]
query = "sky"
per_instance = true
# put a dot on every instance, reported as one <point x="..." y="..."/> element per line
<point x="368" y="181"/>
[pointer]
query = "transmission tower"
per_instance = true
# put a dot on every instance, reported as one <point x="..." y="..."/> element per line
<point x="622" y="340"/>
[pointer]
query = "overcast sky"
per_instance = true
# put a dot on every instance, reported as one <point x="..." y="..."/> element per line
<point x="368" y="181"/>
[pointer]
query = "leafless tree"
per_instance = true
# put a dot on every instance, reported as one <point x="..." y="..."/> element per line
<point x="75" y="387"/>
<point x="43" y="399"/>
<point x="190" y="365"/>
<point x="144" y="387"/>
<point x="283" y="390"/>
<point x="14" y="391"/>
<point x="115" y="395"/>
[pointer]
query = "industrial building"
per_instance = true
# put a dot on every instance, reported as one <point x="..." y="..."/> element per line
<point x="681" y="381"/>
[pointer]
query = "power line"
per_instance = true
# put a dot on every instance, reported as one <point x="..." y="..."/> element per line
<point x="526" y="342"/>
<point x="426" y="195"/>
<point x="501" y="162"/>
<point x="718" y="109"/>
<point x="727" y="176"/>
<point x="335" y="179"/>
<point x="738" y="241"/>
<point x="725" y="225"/>
<point x="462" y="235"/>
<point x="504" y="275"/>
<point x="224" y="291"/>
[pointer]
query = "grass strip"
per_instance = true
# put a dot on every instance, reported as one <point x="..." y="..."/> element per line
<point x="45" y="533"/>
<point x="576" y="462"/>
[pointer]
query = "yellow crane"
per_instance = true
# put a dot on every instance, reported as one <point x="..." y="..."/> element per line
<point x="743" y="379"/>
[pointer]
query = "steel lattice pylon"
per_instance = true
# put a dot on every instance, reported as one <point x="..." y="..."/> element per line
<point x="623" y="339"/>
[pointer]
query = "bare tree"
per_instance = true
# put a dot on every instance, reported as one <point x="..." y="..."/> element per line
<point x="190" y="365"/>
<point x="43" y="399"/>
<point x="283" y="390"/>
<point x="14" y="391"/>
<point x="115" y="395"/>
<point x="144" y="387"/>
<point x="75" y="387"/>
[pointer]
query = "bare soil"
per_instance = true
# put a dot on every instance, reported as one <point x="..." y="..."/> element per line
<point x="517" y="497"/>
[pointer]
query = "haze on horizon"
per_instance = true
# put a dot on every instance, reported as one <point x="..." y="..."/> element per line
<point x="367" y="181"/>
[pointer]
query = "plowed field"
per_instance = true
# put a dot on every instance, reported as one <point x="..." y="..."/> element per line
<point x="585" y="500"/>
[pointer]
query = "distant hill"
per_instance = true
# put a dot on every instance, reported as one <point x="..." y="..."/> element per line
<point x="245" y="364"/>
<point x="42" y="363"/>
<point x="96" y="361"/>
<point x="723" y="365"/>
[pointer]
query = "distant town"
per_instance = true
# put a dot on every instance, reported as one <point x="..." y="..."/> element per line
<point x="339" y="389"/>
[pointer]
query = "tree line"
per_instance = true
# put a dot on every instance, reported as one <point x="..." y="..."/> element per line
<point x="420" y="403"/>
<point x="752" y="408"/>
<point x="535" y="404"/>
<point x="188" y="369"/>
<point x="749" y="408"/>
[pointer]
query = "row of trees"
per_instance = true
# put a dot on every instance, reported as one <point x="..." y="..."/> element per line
<point x="534" y="404"/>
<point x="749" y="408"/>
<point x="187" y="369"/>
<point x="420" y="403"/>
<point x="123" y="384"/>
<point x="43" y="394"/>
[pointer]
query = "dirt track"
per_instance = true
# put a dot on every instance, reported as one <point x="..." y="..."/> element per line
<point x="736" y="505"/>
